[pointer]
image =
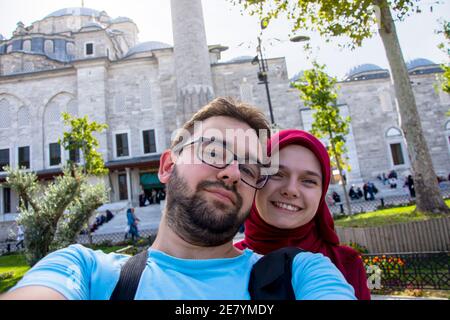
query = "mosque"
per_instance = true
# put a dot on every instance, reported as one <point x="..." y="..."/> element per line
<point x="84" y="62"/>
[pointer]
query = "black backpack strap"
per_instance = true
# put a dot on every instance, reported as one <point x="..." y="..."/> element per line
<point x="130" y="275"/>
<point x="271" y="276"/>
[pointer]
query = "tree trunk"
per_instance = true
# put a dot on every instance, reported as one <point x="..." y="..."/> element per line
<point x="428" y="196"/>
<point x="344" y="186"/>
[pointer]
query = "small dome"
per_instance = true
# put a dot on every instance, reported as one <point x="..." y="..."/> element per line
<point x="147" y="46"/>
<point x="93" y="25"/>
<point x="241" y="59"/>
<point x="423" y="66"/>
<point x="78" y="11"/>
<point x="121" y="19"/>
<point x="420" y="62"/>
<point x="366" y="71"/>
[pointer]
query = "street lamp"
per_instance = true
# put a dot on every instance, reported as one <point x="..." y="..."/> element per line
<point x="264" y="68"/>
<point x="262" y="75"/>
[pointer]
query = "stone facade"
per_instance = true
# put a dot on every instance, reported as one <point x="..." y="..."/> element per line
<point x="86" y="63"/>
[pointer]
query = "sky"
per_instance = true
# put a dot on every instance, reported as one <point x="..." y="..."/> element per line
<point x="226" y="25"/>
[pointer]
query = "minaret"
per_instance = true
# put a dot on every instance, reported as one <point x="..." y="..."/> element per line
<point x="192" y="62"/>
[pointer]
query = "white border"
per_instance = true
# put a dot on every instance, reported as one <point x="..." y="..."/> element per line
<point x="142" y="141"/>
<point x="114" y="133"/>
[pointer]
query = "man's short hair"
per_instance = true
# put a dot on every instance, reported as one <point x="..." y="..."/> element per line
<point x="228" y="107"/>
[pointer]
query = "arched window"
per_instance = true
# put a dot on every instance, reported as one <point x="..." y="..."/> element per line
<point x="393" y="132"/>
<point x="397" y="148"/>
<point x="27" y="46"/>
<point x="24" y="117"/>
<point x="5" y="111"/>
<point x="52" y="113"/>
<point x="70" y="49"/>
<point x="72" y="108"/>
<point x="48" y="46"/>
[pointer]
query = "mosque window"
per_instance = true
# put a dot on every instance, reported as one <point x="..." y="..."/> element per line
<point x="70" y="49"/>
<point x="49" y="47"/>
<point x="396" y="146"/>
<point x="5" y="119"/>
<point x="4" y="158"/>
<point x="24" y="157"/>
<point x="72" y="108"/>
<point x="122" y="144"/>
<point x="55" y="154"/>
<point x="6" y="200"/>
<point x="89" y="49"/>
<point x="27" y="45"/>
<point x="24" y="117"/>
<point x="149" y="140"/>
<point x="52" y="113"/>
<point x="397" y="154"/>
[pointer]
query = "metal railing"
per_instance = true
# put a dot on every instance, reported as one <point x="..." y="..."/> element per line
<point x="361" y="205"/>
<point x="424" y="270"/>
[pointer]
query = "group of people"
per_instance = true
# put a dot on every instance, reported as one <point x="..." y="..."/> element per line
<point x="216" y="182"/>
<point x="101" y="219"/>
<point x="368" y="191"/>
<point x="154" y="196"/>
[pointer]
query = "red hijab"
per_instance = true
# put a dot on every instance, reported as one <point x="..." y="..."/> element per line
<point x="318" y="235"/>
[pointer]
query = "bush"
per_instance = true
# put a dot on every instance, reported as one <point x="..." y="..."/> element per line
<point x="360" y="248"/>
<point x="6" y="275"/>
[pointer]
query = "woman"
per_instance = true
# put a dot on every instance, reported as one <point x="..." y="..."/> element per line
<point x="291" y="210"/>
<point x="132" y="221"/>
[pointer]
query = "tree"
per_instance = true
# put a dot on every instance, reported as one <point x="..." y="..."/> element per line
<point x="81" y="137"/>
<point x="445" y="46"/>
<point x="356" y="20"/>
<point x="318" y="92"/>
<point x="53" y="216"/>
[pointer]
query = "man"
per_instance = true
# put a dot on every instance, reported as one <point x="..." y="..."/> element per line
<point x="212" y="174"/>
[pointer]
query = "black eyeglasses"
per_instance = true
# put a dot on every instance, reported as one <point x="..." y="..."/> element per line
<point x="217" y="155"/>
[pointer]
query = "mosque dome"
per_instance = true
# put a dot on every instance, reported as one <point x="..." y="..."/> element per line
<point x="366" y="71"/>
<point x="147" y="46"/>
<point x="422" y="66"/>
<point x="121" y="19"/>
<point x="420" y="62"/>
<point x="77" y="11"/>
<point x="92" y="25"/>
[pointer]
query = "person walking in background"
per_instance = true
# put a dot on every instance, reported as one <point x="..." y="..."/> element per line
<point x="410" y="184"/>
<point x="132" y="221"/>
<point x="20" y="237"/>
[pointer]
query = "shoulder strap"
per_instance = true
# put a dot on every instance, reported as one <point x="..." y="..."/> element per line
<point x="271" y="276"/>
<point x="130" y="275"/>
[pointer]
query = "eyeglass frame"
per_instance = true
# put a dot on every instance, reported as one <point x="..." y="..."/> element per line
<point x="235" y="158"/>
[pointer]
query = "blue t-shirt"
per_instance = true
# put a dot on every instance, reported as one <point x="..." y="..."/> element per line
<point x="80" y="273"/>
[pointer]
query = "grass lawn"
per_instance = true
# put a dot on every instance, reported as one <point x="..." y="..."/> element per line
<point x="385" y="217"/>
<point x="16" y="263"/>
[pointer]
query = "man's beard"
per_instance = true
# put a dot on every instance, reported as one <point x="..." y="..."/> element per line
<point x="195" y="220"/>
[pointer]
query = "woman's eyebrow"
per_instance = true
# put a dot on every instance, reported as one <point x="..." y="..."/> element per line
<point x="306" y="172"/>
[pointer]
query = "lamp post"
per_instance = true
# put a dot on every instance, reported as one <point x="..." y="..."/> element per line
<point x="262" y="75"/>
<point x="264" y="68"/>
